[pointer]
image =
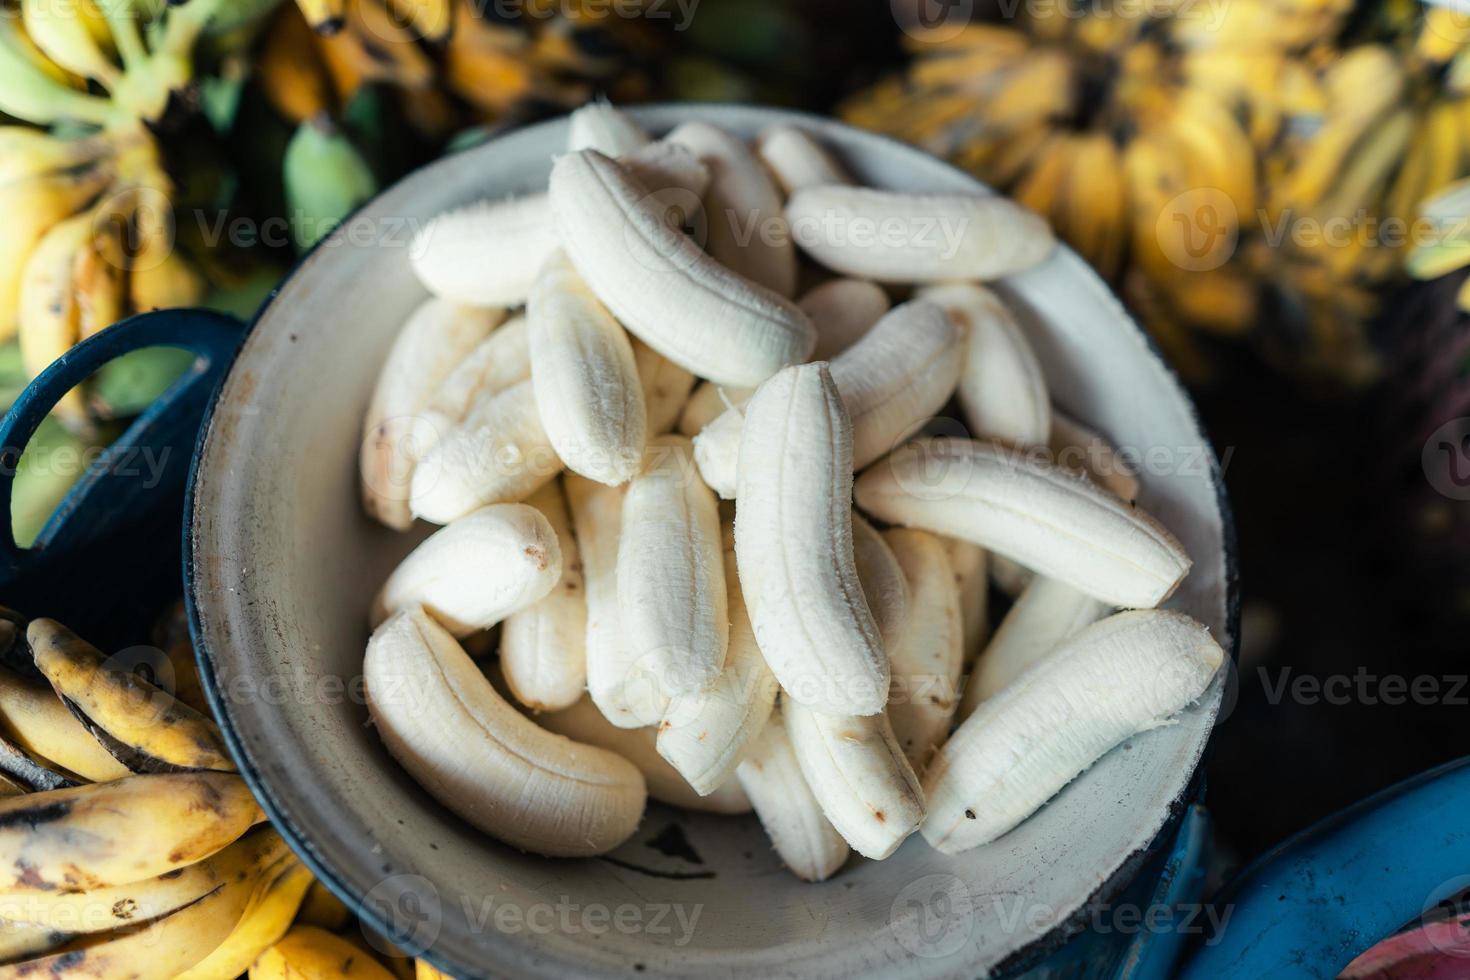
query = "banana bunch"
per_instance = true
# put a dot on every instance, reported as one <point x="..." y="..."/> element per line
<point x="1224" y="168"/>
<point x="179" y="876"/>
<point x="89" y="203"/>
<point x="447" y="61"/>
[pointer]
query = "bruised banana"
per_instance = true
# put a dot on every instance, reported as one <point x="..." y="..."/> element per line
<point x="671" y="581"/>
<point x="946" y="236"/>
<point x="165" y="947"/>
<point x="583" y="722"/>
<point x="1043" y="615"/>
<point x="892" y="381"/>
<point x="1047" y="518"/>
<point x="858" y="773"/>
<point x="128" y="830"/>
<point x="794" y="543"/>
<point x="624" y="690"/>
<point x="744" y="228"/>
<point x="662" y="287"/>
<point x="1002" y="392"/>
<point x="797" y="161"/>
<point x="437" y="338"/>
<point x="543" y="647"/>
<point x="971" y="575"/>
<point x="145" y="727"/>
<point x="585" y="378"/>
<point x="704" y="733"/>
<point x="789" y="813"/>
<point x="1129" y="673"/>
<point x="459" y="739"/>
<point x="929" y="656"/>
<point x="473" y="573"/>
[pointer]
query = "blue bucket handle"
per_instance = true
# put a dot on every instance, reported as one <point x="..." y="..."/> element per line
<point x="110" y="516"/>
<point x="1310" y="905"/>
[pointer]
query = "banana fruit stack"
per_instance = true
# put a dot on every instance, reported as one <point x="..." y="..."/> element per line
<point x="1233" y="167"/>
<point x="589" y="381"/>
<point x="443" y="57"/>
<point x="133" y="848"/>
<point x="88" y="237"/>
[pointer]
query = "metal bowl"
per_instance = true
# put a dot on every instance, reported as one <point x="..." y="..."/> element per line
<point x="283" y="565"/>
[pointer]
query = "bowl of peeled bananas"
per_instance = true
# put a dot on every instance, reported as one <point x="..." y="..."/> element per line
<point x="709" y="540"/>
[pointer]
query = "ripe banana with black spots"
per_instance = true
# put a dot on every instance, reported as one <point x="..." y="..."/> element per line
<point x="145" y="727"/>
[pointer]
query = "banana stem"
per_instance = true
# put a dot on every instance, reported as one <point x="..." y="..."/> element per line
<point x="125" y="33"/>
<point x="185" y="24"/>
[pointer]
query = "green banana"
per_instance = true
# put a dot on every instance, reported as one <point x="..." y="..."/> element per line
<point x="145" y="727"/>
<point x="51" y="463"/>
<point x="126" y="386"/>
<point x="28" y="93"/>
<point x="326" y="178"/>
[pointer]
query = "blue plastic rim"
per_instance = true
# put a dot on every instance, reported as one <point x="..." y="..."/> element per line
<point x="110" y="558"/>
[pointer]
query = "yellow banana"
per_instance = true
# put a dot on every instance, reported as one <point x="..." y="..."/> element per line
<point x="106" y="834"/>
<point x="1040" y="185"/>
<point x="266" y="920"/>
<point x="164" y="948"/>
<point x="105" y="909"/>
<point x="33" y="718"/>
<point x="307" y="951"/>
<point x="326" y="17"/>
<point x="49" y="320"/>
<point x="323" y="909"/>
<point x="145" y="727"/>
<point x="60" y="31"/>
<point x="161" y="277"/>
<point x="28" y="91"/>
<point x="1093" y="199"/>
<point x="28" y="152"/>
<point x="1445" y="33"/>
<point x="97" y="277"/>
<point x="432" y="20"/>
<point x="31" y="208"/>
<point x="423" y="971"/>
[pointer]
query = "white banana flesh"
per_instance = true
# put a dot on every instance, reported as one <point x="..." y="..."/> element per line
<point x="1002" y="392"/>
<point x="603" y="127"/>
<point x="929" y="657"/>
<point x="791" y="816"/>
<point x="1130" y="673"/>
<point x="666" y="387"/>
<point x="585" y="723"/>
<point x="487" y="253"/>
<point x="543" y="648"/>
<point x="477" y="571"/>
<point x="500" y="453"/>
<point x="460" y="740"/>
<point x="665" y="166"/>
<point x="624" y="690"/>
<point x="661" y="287"/>
<point x="1045" y="614"/>
<point x="585" y="378"/>
<point x="1078" y="447"/>
<point x="794" y="544"/>
<point x="843" y="311"/>
<point x="745" y="229"/>
<point x="926" y="237"/>
<point x="1050" y="520"/>
<point x="704" y="733"/>
<point x="797" y="160"/>
<point x="435" y="340"/>
<point x="971" y="566"/>
<point x="671" y="575"/>
<point x="883" y="581"/>
<point x="891" y="382"/>
<point x="496" y="363"/>
<point x="859" y="775"/>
